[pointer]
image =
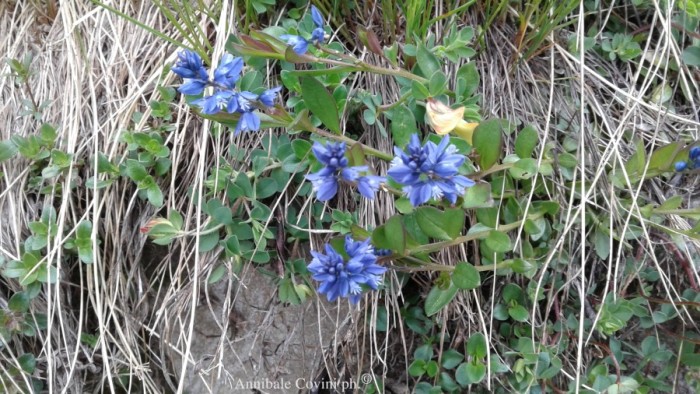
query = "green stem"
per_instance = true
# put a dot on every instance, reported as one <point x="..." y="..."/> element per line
<point x="432" y="267"/>
<point x="692" y="211"/>
<point x="204" y="232"/>
<point x="389" y="107"/>
<point x="363" y="66"/>
<point x="496" y="168"/>
<point x="434" y="247"/>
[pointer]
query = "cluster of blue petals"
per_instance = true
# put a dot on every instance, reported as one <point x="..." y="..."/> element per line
<point x="341" y="278"/>
<point x="693" y="160"/>
<point x="300" y="44"/>
<point x="430" y="171"/>
<point x="335" y="168"/>
<point x="225" y="97"/>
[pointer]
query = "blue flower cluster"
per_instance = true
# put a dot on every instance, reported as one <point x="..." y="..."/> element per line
<point x="693" y="160"/>
<point x="298" y="43"/>
<point x="325" y="181"/>
<point x="225" y="97"/>
<point x="340" y="278"/>
<point x="430" y="171"/>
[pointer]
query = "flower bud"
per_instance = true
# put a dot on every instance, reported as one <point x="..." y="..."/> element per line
<point x="445" y="120"/>
<point x="154" y="222"/>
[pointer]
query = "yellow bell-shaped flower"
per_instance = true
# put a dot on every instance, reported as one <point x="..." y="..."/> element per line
<point x="445" y="120"/>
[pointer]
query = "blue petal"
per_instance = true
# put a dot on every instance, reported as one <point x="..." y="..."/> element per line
<point x="316" y="16"/>
<point x="368" y="185"/>
<point x="246" y="101"/>
<point x="694" y="152"/>
<point x="420" y="194"/>
<point x="249" y="121"/>
<point x="209" y="105"/>
<point x="232" y="105"/>
<point x="318" y="35"/>
<point x="298" y="43"/>
<point x="228" y="71"/>
<point x="268" y="97"/>
<point x="192" y="87"/>
<point x="681" y="165"/>
<point x="326" y="188"/>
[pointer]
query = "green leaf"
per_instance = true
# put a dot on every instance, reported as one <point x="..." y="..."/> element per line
<point x="487" y="142"/>
<point x="426" y="60"/>
<point x="216" y="274"/>
<point x="467" y="80"/>
<point x="135" y="170"/>
<point x="665" y="157"/>
<point x="437" y="83"/>
<point x="417" y="368"/>
<point x="691" y="56"/>
<point x="476" y="347"/>
<point x="518" y="313"/>
<point x="524" y="169"/>
<point x="431" y="222"/>
<point x="7" y="150"/>
<point x="404" y="206"/>
<point x="478" y="196"/>
<point x="320" y="102"/>
<point x="19" y="302"/>
<point x="265" y="188"/>
<point x="301" y="149"/>
<point x="602" y="243"/>
<point x="28" y="362"/>
<point x="395" y="234"/>
<point x="453" y="218"/>
<point x="85" y="254"/>
<point x="466" y="277"/>
<point x="439" y="298"/>
<point x="155" y="195"/>
<point x="208" y="242"/>
<point x="432" y="368"/>
<point x="498" y="242"/>
<point x="419" y="91"/>
<point x="47" y="134"/>
<point x="403" y="125"/>
<point x="451" y="358"/>
<point x="526" y="141"/>
<point x="84" y="230"/>
<point x="476" y="372"/>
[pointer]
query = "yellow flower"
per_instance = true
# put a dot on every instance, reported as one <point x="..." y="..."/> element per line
<point x="445" y="120"/>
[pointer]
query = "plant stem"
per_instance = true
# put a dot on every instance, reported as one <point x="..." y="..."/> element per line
<point x="363" y="66"/>
<point x="470" y="237"/>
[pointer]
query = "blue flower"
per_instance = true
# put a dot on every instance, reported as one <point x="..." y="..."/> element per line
<point x="299" y="44"/>
<point x="325" y="181"/>
<point x="369" y="184"/>
<point x="189" y="65"/>
<point x="211" y="105"/>
<point x="249" y="121"/>
<point x="192" y="87"/>
<point x="681" y="165"/>
<point x="225" y="96"/>
<point x="340" y="278"/>
<point x="430" y="171"/>
<point x="694" y="153"/>
<point x="316" y="16"/>
<point x="228" y="71"/>
<point x="318" y="35"/>
<point x="268" y="97"/>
